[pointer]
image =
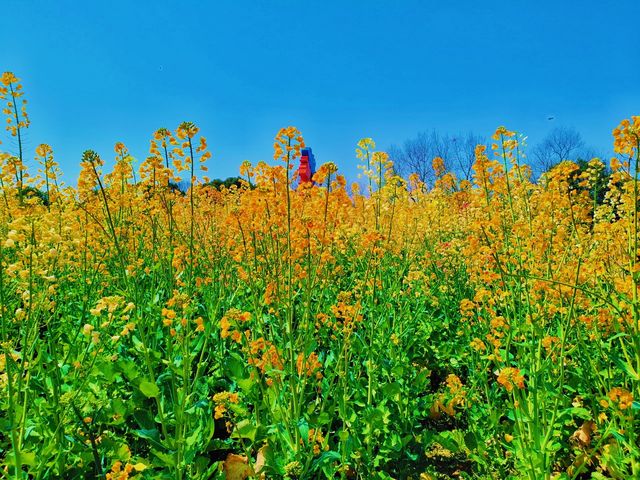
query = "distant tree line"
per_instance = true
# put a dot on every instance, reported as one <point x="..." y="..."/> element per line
<point x="181" y="187"/>
<point x="562" y="143"/>
<point x="416" y="154"/>
<point x="217" y="183"/>
<point x="227" y="182"/>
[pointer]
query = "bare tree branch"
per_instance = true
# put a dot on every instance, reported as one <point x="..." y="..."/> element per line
<point x="416" y="154"/>
<point x="562" y="143"/>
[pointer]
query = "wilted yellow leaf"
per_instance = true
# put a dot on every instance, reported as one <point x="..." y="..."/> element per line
<point x="236" y="467"/>
<point x="260" y="458"/>
<point x="583" y="434"/>
<point x="139" y="467"/>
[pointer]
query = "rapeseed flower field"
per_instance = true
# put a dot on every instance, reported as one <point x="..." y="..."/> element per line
<point x="300" y="330"/>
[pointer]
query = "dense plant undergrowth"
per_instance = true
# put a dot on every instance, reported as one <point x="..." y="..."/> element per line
<point x="275" y="330"/>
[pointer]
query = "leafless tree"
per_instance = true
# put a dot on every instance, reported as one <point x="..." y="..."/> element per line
<point x="416" y="154"/>
<point x="562" y="143"/>
<point x="462" y="155"/>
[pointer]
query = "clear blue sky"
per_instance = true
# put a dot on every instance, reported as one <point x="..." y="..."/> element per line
<point x="100" y="72"/>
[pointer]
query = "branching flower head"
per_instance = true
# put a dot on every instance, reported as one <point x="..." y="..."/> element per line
<point x="627" y="137"/>
<point x="186" y="130"/>
<point x="287" y="145"/>
<point x="511" y="378"/>
<point x="11" y="90"/>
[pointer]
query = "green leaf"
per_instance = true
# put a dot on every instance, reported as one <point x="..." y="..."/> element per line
<point x="26" y="458"/>
<point x="579" y="412"/>
<point x="234" y="367"/>
<point x="246" y="384"/>
<point x="450" y="440"/>
<point x="618" y="436"/>
<point x="128" y="368"/>
<point x="123" y="453"/>
<point x="144" y="419"/>
<point x="324" y="418"/>
<point x="165" y="458"/>
<point x="325" y="459"/>
<point x="303" y="428"/>
<point x="106" y="369"/>
<point x="150" y="434"/>
<point x="470" y="441"/>
<point x="625" y="367"/>
<point x="392" y="390"/>
<point x="149" y="389"/>
<point x="246" y="430"/>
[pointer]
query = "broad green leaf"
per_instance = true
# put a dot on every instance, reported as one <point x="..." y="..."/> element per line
<point x="303" y="428"/>
<point x="245" y="429"/>
<point x="149" y="389"/>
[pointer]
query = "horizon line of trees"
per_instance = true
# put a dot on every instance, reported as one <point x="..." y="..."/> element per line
<point x="416" y="154"/>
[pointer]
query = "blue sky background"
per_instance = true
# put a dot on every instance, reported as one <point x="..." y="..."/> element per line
<point x="100" y="72"/>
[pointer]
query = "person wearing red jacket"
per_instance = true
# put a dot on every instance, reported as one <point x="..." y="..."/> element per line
<point x="307" y="166"/>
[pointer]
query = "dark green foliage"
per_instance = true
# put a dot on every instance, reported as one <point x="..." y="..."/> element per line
<point x="217" y="183"/>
